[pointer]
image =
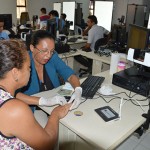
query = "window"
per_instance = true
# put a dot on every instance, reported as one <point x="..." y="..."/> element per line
<point x="91" y="7"/>
<point x="21" y="7"/>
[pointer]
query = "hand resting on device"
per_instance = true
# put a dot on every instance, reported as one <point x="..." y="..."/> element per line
<point x="56" y="100"/>
<point x="86" y="49"/>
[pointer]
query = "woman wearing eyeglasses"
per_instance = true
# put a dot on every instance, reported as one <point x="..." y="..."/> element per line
<point x="46" y="67"/>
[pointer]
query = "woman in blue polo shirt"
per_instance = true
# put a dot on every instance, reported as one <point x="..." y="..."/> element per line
<point x="45" y="68"/>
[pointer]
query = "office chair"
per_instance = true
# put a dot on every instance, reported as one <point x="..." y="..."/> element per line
<point x="98" y="43"/>
<point x="86" y="61"/>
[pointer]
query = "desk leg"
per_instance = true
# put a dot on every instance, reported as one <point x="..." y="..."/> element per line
<point x="97" y="66"/>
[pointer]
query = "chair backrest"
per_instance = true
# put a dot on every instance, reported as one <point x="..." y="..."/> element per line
<point x="100" y="42"/>
<point x="77" y="30"/>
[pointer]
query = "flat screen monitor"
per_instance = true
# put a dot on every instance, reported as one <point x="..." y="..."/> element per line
<point x="52" y="27"/>
<point x="103" y="12"/>
<point x="138" y="37"/>
<point x="7" y="20"/>
<point x="69" y="10"/>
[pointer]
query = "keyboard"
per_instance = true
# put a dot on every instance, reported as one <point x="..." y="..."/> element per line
<point x="72" y="39"/>
<point x="90" y="86"/>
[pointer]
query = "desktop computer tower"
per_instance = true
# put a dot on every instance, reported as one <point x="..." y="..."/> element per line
<point x="137" y="84"/>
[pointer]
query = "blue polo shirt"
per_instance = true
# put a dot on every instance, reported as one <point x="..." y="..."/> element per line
<point x="54" y="67"/>
<point x="3" y="35"/>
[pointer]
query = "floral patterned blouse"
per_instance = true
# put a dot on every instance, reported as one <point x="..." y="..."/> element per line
<point x="10" y="143"/>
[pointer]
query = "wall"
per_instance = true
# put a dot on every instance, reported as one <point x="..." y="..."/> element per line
<point x="9" y="7"/>
<point x="34" y="6"/>
<point x="120" y="8"/>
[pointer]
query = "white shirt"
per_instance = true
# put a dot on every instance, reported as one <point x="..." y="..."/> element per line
<point x="95" y="33"/>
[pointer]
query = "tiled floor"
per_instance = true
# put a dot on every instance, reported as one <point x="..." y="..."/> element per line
<point x="132" y="143"/>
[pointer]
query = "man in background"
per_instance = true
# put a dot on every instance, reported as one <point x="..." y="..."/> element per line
<point x="3" y="34"/>
<point x="43" y="19"/>
<point x="94" y="31"/>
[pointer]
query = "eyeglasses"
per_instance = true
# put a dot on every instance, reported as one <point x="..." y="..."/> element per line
<point x="46" y="51"/>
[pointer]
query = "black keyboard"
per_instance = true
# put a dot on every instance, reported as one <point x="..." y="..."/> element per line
<point x="72" y="39"/>
<point x="90" y="86"/>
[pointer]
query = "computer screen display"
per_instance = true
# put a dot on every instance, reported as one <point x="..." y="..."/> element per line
<point x="52" y="26"/>
<point x="7" y="20"/>
<point x="103" y="12"/>
<point x="138" y="37"/>
<point x="69" y="10"/>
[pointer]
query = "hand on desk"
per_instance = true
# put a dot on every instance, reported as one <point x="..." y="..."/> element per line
<point x="56" y="100"/>
<point x="86" y="49"/>
<point x="76" y="98"/>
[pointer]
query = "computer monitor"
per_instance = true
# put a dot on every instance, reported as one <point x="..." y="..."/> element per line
<point x="7" y="20"/>
<point x="138" y="37"/>
<point x="138" y="52"/>
<point x="52" y="26"/>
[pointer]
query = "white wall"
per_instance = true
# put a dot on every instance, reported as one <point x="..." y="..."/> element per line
<point x="9" y="7"/>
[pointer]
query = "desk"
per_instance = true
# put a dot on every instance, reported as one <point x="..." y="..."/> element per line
<point x="78" y="44"/>
<point x="97" y="60"/>
<point x="89" y="131"/>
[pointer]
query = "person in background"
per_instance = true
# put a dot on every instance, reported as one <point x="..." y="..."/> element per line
<point x="18" y="127"/>
<point x="63" y="16"/>
<point x="62" y="23"/>
<point x="94" y="31"/>
<point x="54" y="15"/>
<point x="3" y="34"/>
<point x="46" y="68"/>
<point x="43" y="19"/>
